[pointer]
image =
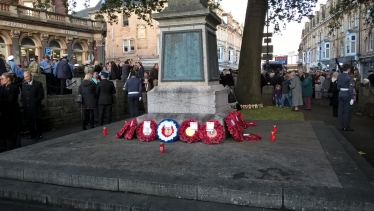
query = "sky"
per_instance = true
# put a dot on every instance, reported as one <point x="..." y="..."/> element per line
<point x="283" y="44"/>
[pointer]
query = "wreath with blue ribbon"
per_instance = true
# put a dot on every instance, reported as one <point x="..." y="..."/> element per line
<point x="165" y="134"/>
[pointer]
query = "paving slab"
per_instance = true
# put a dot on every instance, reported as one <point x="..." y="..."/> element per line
<point x="242" y="173"/>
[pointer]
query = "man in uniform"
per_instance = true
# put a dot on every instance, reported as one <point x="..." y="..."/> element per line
<point x="47" y="71"/>
<point x="34" y="67"/>
<point x="345" y="86"/>
<point x="12" y="65"/>
<point x="63" y="72"/>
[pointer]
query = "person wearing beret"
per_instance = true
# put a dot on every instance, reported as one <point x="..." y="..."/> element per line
<point x="105" y="91"/>
<point x="346" y="98"/>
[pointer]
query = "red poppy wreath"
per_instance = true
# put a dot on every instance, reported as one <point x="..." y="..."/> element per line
<point x="121" y="132"/>
<point x="189" y="131"/>
<point x="146" y="130"/>
<point x="234" y="128"/>
<point x="131" y="130"/>
<point x="212" y="132"/>
<point x="239" y="117"/>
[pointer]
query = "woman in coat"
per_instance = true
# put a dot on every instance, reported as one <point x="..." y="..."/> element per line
<point x="318" y="79"/>
<point x="114" y="71"/>
<point x="334" y="94"/>
<point x="326" y="86"/>
<point x="295" y="86"/>
<point x="307" y="91"/>
<point x="87" y="90"/>
<point x="10" y="112"/>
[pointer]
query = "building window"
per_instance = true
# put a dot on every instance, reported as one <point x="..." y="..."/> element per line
<point x="304" y="57"/>
<point x="342" y="27"/>
<point x="327" y="51"/>
<point x="349" y="22"/>
<point x="128" y="46"/>
<point x="221" y="54"/>
<point x="353" y="44"/>
<point x="371" y="41"/>
<point x="356" y="18"/>
<point x="341" y="49"/>
<point x="125" y="20"/>
<point x="334" y="52"/>
<point x="309" y="57"/>
<point x="347" y="43"/>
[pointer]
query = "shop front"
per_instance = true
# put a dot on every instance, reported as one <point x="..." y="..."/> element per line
<point x="25" y="37"/>
<point x="366" y="65"/>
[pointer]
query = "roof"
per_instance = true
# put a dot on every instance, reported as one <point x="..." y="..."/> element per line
<point x="84" y="13"/>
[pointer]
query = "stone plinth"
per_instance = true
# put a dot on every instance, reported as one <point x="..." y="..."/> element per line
<point x="188" y="76"/>
<point x="267" y="95"/>
<point x="187" y="99"/>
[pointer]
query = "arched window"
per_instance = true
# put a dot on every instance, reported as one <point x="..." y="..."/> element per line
<point x="27" y="42"/>
<point x="77" y="47"/>
<point x="371" y="41"/>
<point x="54" y="44"/>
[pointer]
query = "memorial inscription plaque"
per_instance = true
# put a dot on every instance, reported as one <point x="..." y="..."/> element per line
<point x="183" y="58"/>
<point x="212" y="57"/>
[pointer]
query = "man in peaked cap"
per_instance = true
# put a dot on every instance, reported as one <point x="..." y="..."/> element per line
<point x="63" y="73"/>
<point x="105" y="91"/>
<point x="346" y="98"/>
<point x="12" y="64"/>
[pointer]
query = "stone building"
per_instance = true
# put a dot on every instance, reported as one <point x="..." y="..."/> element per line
<point x="229" y="38"/>
<point x="132" y="38"/>
<point x="26" y="32"/>
<point x="351" y="43"/>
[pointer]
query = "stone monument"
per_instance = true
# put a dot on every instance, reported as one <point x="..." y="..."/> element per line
<point x="189" y="74"/>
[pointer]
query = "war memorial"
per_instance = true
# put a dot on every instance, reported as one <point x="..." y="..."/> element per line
<point x="310" y="169"/>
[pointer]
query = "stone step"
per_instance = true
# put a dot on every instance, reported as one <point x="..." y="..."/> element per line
<point x="87" y="199"/>
<point x="93" y="162"/>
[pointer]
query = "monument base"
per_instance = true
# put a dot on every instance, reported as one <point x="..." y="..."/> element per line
<point x="202" y="103"/>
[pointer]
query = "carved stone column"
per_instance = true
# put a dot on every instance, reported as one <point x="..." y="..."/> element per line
<point x="69" y="41"/>
<point x="16" y="48"/>
<point x="100" y="45"/>
<point x="90" y="49"/>
<point x="44" y="39"/>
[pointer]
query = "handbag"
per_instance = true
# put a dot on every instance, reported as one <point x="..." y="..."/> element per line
<point x="78" y="98"/>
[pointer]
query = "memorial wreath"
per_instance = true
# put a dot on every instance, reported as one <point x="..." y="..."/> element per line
<point x="212" y="132"/>
<point x="131" y="130"/>
<point x="146" y="130"/>
<point x="167" y="130"/>
<point x="189" y="131"/>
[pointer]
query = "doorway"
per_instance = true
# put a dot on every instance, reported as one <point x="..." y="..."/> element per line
<point x="28" y="51"/>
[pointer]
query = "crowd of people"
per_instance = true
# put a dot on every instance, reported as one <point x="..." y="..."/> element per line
<point x="96" y="91"/>
<point x="313" y="84"/>
<point x="295" y="89"/>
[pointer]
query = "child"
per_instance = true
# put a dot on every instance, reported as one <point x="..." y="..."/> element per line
<point x="278" y="95"/>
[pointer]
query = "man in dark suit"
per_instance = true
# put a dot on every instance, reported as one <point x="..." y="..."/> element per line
<point x="105" y="91"/>
<point x="32" y="96"/>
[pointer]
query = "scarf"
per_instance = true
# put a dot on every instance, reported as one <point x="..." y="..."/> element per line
<point x="333" y="79"/>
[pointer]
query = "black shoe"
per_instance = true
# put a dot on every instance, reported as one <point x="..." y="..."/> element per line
<point x="38" y="137"/>
<point x="347" y="129"/>
<point x="84" y="128"/>
<point x="31" y="137"/>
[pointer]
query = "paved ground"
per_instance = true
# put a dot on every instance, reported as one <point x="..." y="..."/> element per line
<point x="362" y="138"/>
<point x="305" y="160"/>
<point x="63" y="131"/>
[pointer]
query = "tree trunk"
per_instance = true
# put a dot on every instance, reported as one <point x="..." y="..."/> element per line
<point x="248" y="88"/>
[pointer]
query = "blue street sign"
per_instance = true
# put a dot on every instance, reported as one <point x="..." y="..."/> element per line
<point x="319" y="64"/>
<point x="47" y="51"/>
